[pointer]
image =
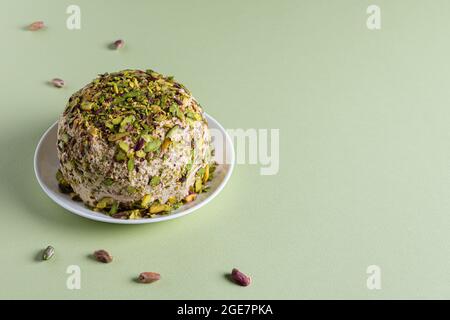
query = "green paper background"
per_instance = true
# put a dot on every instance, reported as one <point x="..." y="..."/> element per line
<point x="364" y="148"/>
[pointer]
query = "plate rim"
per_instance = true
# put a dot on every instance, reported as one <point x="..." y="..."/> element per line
<point x="106" y="219"/>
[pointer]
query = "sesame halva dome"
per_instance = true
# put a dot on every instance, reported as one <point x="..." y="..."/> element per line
<point x="131" y="140"/>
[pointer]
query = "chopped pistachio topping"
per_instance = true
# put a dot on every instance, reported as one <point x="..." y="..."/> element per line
<point x="133" y="144"/>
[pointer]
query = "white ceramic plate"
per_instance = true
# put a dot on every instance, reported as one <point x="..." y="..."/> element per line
<point x="46" y="164"/>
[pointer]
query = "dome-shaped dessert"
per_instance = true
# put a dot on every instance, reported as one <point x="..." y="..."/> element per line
<point x="133" y="143"/>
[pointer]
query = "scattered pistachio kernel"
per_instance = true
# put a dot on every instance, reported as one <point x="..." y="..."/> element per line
<point x="240" y="278"/>
<point x="103" y="256"/>
<point x="118" y="44"/>
<point x="59" y="83"/>
<point x="37" y="25"/>
<point x="148" y="277"/>
<point x="48" y="253"/>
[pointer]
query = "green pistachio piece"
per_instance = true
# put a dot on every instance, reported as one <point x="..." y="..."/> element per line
<point x="155" y="108"/>
<point x="131" y="189"/>
<point x="155" y="181"/>
<point x="176" y="112"/>
<point x="127" y="120"/>
<point x="206" y="174"/>
<point x="116" y="120"/>
<point x="59" y="176"/>
<point x="117" y="136"/>
<point x="201" y="172"/>
<point x="173" y="131"/>
<point x="190" y="122"/>
<point x="130" y="164"/>
<point x="124" y="146"/>
<point x="190" y="115"/>
<point x="158" y="208"/>
<point x="135" y="214"/>
<point x="48" y="253"/>
<point x="140" y="154"/>
<point x="198" y="185"/>
<point x="105" y="202"/>
<point x="109" y="125"/>
<point x="172" y="200"/>
<point x="64" y="185"/>
<point x="121" y="156"/>
<point x="198" y="116"/>
<point x="174" y="109"/>
<point x="146" y="201"/>
<point x="114" y="208"/>
<point x="65" y="137"/>
<point x="108" y="182"/>
<point x="86" y="106"/>
<point x="152" y="145"/>
<point x="165" y="145"/>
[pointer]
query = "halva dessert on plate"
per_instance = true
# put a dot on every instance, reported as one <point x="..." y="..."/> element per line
<point x="134" y="144"/>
